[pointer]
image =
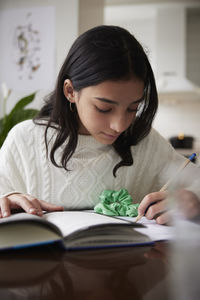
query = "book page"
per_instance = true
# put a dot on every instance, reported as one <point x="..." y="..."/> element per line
<point x="71" y="221"/>
<point x="155" y="231"/>
<point x="23" y="217"/>
<point x="19" y="217"/>
<point x="20" y="234"/>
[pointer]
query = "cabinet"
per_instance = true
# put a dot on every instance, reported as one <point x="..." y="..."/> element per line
<point x="178" y="57"/>
<point x="170" y="34"/>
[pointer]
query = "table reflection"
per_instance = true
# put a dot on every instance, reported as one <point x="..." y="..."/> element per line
<point x="118" y="273"/>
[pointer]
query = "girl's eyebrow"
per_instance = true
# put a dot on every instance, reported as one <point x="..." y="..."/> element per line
<point x="115" y="102"/>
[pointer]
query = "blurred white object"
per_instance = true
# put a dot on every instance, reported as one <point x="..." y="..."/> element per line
<point x="4" y="90"/>
<point x="185" y="260"/>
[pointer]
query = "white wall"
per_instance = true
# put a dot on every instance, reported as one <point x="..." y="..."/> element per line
<point x="91" y="13"/>
<point x="67" y="20"/>
<point x="139" y="20"/>
<point x="173" y="116"/>
<point x="179" y="117"/>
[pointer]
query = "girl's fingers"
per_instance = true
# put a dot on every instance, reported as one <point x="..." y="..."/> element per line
<point x="50" y="207"/>
<point x="26" y="202"/>
<point x="154" y="206"/>
<point x="163" y="218"/>
<point x="4" y="207"/>
<point x="150" y="200"/>
<point x="156" y="209"/>
<point x="36" y="205"/>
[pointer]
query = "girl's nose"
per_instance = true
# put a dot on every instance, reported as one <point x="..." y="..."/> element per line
<point x="119" y="124"/>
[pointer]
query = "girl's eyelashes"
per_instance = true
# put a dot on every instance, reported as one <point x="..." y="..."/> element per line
<point x="103" y="110"/>
<point x="130" y="110"/>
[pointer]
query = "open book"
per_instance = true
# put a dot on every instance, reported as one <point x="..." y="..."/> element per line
<point x="73" y="229"/>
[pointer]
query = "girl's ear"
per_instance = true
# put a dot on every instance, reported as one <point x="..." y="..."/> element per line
<point x="68" y="91"/>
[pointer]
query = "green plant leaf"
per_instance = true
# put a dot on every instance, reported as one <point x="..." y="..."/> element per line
<point x="22" y="115"/>
<point x="23" y="102"/>
<point x="1" y="126"/>
<point x="17" y="114"/>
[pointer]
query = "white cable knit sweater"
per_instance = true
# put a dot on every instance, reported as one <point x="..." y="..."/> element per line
<point x="25" y="168"/>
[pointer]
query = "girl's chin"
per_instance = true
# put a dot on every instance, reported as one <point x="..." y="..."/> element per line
<point x="105" y="139"/>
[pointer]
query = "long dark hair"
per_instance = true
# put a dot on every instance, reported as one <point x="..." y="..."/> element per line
<point x="101" y="53"/>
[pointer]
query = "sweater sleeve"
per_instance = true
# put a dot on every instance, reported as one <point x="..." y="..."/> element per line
<point x="12" y="172"/>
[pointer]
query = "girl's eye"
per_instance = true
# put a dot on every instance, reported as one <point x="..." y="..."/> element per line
<point x="102" y="110"/>
<point x="132" y="110"/>
<point x="138" y="108"/>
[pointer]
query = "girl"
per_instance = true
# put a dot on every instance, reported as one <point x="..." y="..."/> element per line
<point x="93" y="133"/>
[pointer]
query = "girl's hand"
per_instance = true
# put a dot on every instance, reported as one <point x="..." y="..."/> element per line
<point x="27" y="202"/>
<point x="154" y="206"/>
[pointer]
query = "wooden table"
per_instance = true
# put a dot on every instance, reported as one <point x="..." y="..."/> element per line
<point x="51" y="273"/>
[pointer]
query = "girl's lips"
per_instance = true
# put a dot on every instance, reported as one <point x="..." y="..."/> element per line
<point x="109" y="136"/>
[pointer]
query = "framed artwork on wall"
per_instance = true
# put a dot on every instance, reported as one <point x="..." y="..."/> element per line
<point x="27" y="48"/>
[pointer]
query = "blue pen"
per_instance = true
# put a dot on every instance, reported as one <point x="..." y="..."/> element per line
<point x="179" y="170"/>
<point x="188" y="160"/>
<point x="192" y="156"/>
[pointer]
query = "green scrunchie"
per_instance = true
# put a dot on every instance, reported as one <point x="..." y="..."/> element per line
<point x="116" y="203"/>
